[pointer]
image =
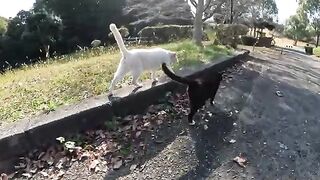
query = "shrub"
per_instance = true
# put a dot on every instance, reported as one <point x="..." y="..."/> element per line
<point x="166" y="33"/>
<point x="316" y="51"/>
<point x="228" y="34"/>
<point x="123" y="31"/>
<point x="248" y="40"/>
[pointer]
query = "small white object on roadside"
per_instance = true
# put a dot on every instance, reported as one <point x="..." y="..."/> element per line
<point x="279" y="93"/>
<point x="232" y="141"/>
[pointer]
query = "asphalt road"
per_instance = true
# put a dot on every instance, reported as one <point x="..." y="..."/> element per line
<point x="267" y="110"/>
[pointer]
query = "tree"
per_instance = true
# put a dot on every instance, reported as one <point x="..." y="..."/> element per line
<point x="29" y="36"/>
<point x="17" y="24"/>
<point x="296" y="26"/>
<point x="211" y="7"/>
<point x="42" y="29"/>
<point x="313" y="9"/>
<point x="198" y="23"/>
<point x="241" y="9"/>
<point x="84" y="20"/>
<point x="3" y="25"/>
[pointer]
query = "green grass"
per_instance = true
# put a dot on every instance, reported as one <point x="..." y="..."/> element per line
<point x="316" y="51"/>
<point x="44" y="87"/>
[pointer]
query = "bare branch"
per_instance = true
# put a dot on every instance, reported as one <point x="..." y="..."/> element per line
<point x="194" y="3"/>
<point x="207" y="6"/>
<point x="216" y="10"/>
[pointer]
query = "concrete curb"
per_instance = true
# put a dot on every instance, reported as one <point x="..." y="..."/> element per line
<point x="18" y="139"/>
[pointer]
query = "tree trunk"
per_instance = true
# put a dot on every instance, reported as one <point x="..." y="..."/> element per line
<point x="197" y="31"/>
<point x="231" y="11"/>
<point x="295" y="42"/>
<point x="317" y="44"/>
<point x="46" y="49"/>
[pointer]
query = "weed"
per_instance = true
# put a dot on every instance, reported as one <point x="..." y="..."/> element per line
<point x="45" y="86"/>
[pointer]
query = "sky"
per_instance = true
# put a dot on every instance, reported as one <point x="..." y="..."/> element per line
<point x="286" y="9"/>
<point x="9" y="8"/>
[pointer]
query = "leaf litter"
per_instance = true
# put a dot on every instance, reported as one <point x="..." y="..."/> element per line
<point x="105" y="149"/>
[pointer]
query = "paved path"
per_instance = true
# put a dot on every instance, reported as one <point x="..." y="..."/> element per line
<point x="278" y="135"/>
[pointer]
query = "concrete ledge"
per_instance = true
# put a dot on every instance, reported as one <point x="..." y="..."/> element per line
<point x="19" y="138"/>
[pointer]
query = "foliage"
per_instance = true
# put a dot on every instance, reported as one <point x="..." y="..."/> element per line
<point x="28" y="36"/>
<point x="123" y="31"/>
<point x="3" y="25"/>
<point x="243" y="10"/>
<point x="56" y="27"/>
<point x="280" y="28"/>
<point x="42" y="29"/>
<point x="248" y="40"/>
<point x="228" y="34"/>
<point x="45" y="86"/>
<point x="84" y="20"/>
<point x="166" y="33"/>
<point x="316" y="51"/>
<point x="312" y="7"/>
<point x="296" y="26"/>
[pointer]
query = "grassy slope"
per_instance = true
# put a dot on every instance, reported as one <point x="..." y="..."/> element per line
<point x="316" y="51"/>
<point x="44" y="87"/>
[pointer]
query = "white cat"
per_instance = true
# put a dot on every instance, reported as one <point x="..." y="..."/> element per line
<point x="135" y="61"/>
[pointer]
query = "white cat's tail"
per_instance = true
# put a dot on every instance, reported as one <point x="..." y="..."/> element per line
<point x="118" y="38"/>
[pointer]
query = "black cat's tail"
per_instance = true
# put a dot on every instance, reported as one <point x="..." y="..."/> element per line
<point x="174" y="77"/>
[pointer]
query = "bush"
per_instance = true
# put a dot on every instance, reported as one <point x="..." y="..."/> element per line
<point x="166" y="33"/>
<point x="248" y="40"/>
<point x="316" y="51"/>
<point x="123" y="31"/>
<point x="228" y="34"/>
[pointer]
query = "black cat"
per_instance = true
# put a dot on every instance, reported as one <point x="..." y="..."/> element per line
<point x="199" y="90"/>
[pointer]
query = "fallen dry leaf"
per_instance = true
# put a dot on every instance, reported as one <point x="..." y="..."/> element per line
<point x="60" y="174"/>
<point x="44" y="174"/>
<point x="240" y="160"/>
<point x="27" y="175"/>
<point x="93" y="165"/>
<point x="117" y="165"/>
<point x="97" y="169"/>
<point x="159" y="122"/>
<point x="138" y="133"/>
<point x="133" y="167"/>
<point x="147" y="124"/>
<point x="20" y="166"/>
<point x="33" y="170"/>
<point x="4" y="176"/>
<point x="41" y="155"/>
<point x="61" y="139"/>
<point x="85" y="155"/>
<point x="61" y="162"/>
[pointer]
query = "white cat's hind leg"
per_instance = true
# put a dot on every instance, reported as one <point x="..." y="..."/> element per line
<point x="135" y="76"/>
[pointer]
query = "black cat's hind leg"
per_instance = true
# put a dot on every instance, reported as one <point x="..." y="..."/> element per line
<point x="192" y="112"/>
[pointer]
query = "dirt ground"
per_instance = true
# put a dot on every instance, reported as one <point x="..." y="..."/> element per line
<point x="267" y="110"/>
